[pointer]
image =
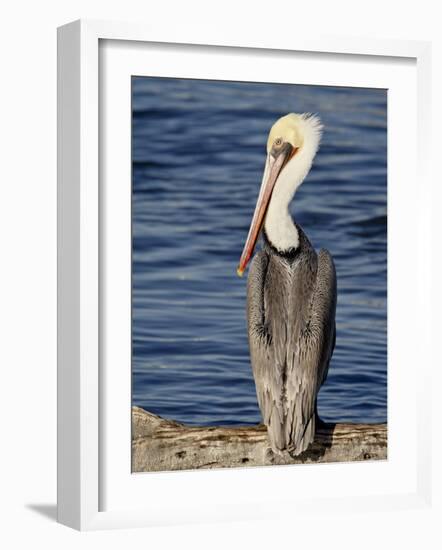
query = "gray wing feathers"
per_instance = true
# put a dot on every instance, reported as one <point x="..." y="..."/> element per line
<point x="291" y="332"/>
<point x="308" y="369"/>
<point x="262" y="351"/>
<point x="257" y="330"/>
<point x="325" y="311"/>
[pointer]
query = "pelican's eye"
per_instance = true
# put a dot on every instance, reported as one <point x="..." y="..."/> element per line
<point x="278" y="142"/>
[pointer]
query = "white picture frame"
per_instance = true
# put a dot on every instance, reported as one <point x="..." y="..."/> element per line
<point x="83" y="398"/>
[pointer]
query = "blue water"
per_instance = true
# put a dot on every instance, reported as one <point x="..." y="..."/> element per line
<point x="198" y="156"/>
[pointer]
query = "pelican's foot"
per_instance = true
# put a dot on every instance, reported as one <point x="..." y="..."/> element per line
<point x="276" y="456"/>
<point x="269" y="455"/>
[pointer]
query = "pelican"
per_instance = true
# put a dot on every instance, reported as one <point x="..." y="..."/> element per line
<point x="291" y="293"/>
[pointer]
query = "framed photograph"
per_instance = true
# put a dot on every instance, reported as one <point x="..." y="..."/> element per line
<point x="187" y="393"/>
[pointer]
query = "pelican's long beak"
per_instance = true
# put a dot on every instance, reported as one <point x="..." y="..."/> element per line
<point x="273" y="167"/>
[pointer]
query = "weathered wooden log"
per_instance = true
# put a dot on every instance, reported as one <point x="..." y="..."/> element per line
<point x="160" y="445"/>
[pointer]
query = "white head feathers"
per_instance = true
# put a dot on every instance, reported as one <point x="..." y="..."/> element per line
<point x="303" y="132"/>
